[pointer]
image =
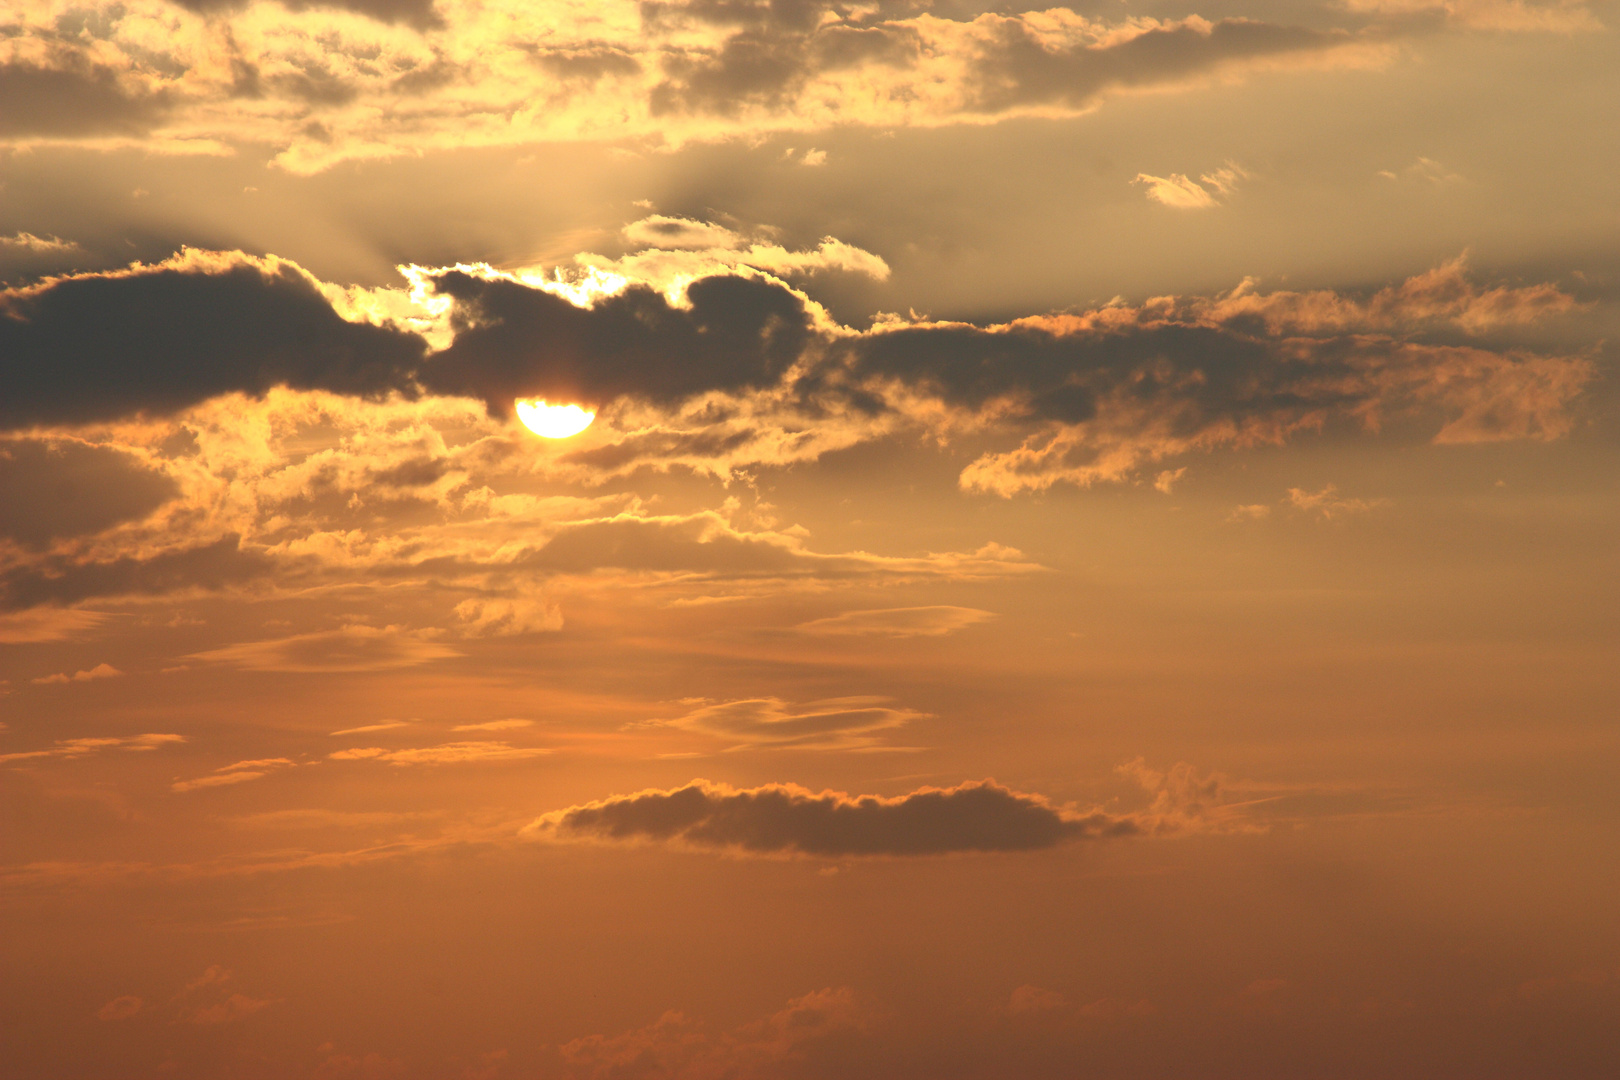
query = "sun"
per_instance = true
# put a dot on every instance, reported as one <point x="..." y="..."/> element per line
<point x="553" y="421"/>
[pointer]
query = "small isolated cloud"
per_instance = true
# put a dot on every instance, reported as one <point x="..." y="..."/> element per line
<point x="1168" y="479"/>
<point x="785" y="819"/>
<point x="100" y="671"/>
<point x="72" y="748"/>
<point x="1185" y="194"/>
<point x="677" y="1046"/>
<point x="1328" y="504"/>
<point x="47" y="624"/>
<point x="494" y="725"/>
<point x="813" y="157"/>
<point x="933" y="621"/>
<point x="1250" y="512"/>
<point x="349" y="649"/>
<point x="455" y="753"/>
<point x="207" y="1000"/>
<point x="120" y="1008"/>
<point x="386" y="725"/>
<point x="1034" y="1000"/>
<point x="237" y="773"/>
<point x="848" y="723"/>
<point x="39" y="245"/>
<point x="1424" y="170"/>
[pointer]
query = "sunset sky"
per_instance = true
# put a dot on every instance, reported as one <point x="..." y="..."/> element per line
<point x="1096" y="552"/>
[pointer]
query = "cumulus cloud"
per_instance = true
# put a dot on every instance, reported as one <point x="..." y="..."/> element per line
<point x="455" y="753"/>
<point x="74" y="748"/>
<point x="847" y="723"/>
<point x="350" y="648"/>
<point x="100" y="671"/>
<point x="120" y="1008"/>
<point x="1175" y="190"/>
<point x="935" y="620"/>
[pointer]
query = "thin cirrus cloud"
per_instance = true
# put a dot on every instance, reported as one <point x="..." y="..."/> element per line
<point x="934" y="620"/>
<point x="347" y="649"/>
<point x="239" y="772"/>
<point x="75" y="748"/>
<point x="846" y="723"/>
<point x="454" y="753"/>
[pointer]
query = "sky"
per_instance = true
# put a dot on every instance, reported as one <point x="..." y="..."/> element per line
<point x="1094" y="553"/>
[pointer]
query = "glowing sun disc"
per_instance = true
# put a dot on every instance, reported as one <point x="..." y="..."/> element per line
<point x="553" y="421"/>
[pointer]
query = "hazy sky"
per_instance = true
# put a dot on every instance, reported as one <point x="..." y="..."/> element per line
<point x="1097" y="553"/>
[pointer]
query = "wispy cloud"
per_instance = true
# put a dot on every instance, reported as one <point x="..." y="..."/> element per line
<point x="72" y="748"/>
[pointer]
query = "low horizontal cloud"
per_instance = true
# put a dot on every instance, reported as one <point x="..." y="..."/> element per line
<point x="495" y="725"/>
<point x="39" y="245"/>
<point x="47" y="624"/>
<point x="73" y="748"/>
<point x="236" y="773"/>
<point x="935" y="620"/>
<point x="848" y="723"/>
<point x="385" y="725"/>
<point x="348" y="649"/>
<point x="787" y="819"/>
<point x="976" y="816"/>
<point x="455" y="753"/>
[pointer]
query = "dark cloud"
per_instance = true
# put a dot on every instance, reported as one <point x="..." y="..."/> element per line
<point x="52" y="489"/>
<point x="420" y="14"/>
<point x="1020" y="70"/>
<point x="513" y="341"/>
<point x="211" y="566"/>
<point x="159" y="339"/>
<point x="783" y="818"/>
<point x="74" y="98"/>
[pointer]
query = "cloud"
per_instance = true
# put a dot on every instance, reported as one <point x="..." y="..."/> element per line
<point x="157" y="339"/>
<point x="386" y="725"/>
<point x="778" y="819"/>
<point x="47" y="624"/>
<point x="100" y="671"/>
<point x="676" y="1046"/>
<point x="848" y="723"/>
<point x="321" y="86"/>
<point x="932" y="621"/>
<point x="119" y="1008"/>
<point x="66" y="579"/>
<point x="51" y="488"/>
<point x="237" y="773"/>
<point x="73" y="748"/>
<point x="456" y="753"/>
<point x="1328" y="504"/>
<point x="40" y="245"/>
<point x="1175" y="190"/>
<point x="494" y="725"/>
<point x="351" y="648"/>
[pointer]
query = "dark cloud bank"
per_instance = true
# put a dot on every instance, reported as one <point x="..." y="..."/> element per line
<point x="156" y="340"/>
<point x="785" y="819"/>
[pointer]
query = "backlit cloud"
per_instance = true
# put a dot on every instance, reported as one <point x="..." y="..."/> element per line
<point x="351" y="648"/>
<point x="236" y="773"/>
